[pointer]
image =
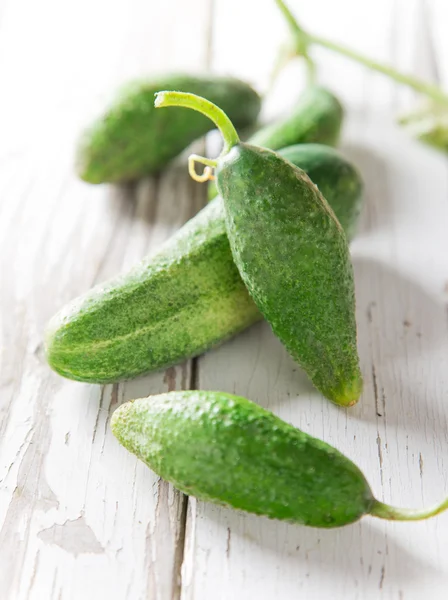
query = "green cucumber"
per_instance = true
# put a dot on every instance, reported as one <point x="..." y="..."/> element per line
<point x="291" y="252"/>
<point x="131" y="139"/>
<point x="228" y="450"/>
<point x="293" y="258"/>
<point x="184" y="300"/>
<point x="316" y="118"/>
<point x="337" y="179"/>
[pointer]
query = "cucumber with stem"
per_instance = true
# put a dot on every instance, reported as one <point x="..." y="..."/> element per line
<point x="186" y="298"/>
<point x="226" y="449"/>
<point x="130" y="139"/>
<point x="316" y="118"/>
<point x="290" y="250"/>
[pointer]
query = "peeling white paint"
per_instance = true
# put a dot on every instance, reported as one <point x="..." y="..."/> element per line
<point x="73" y="536"/>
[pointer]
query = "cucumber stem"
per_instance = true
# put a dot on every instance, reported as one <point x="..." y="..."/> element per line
<point x="296" y="29"/>
<point x="214" y="113"/>
<point x="301" y="40"/>
<point x="304" y="40"/>
<point x="393" y="513"/>
<point x="427" y="89"/>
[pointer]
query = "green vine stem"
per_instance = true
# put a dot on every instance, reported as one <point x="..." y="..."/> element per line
<point x="301" y="43"/>
<point x="214" y="113"/>
<point x="392" y="513"/>
<point x="304" y="40"/>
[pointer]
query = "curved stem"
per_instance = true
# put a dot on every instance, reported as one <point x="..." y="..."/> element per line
<point x="304" y="40"/>
<point x="207" y="175"/>
<point x="392" y="513"/>
<point x="207" y="108"/>
<point x="215" y="114"/>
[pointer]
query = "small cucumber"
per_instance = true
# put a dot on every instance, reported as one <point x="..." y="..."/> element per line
<point x="131" y="139"/>
<point x="293" y="258"/>
<point x="185" y="299"/>
<point x="228" y="450"/>
<point x="316" y="118"/>
<point x="291" y="252"/>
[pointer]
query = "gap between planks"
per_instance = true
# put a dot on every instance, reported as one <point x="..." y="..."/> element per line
<point x="194" y="364"/>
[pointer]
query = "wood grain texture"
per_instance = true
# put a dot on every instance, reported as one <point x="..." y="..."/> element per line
<point x="398" y="432"/>
<point x="81" y="518"/>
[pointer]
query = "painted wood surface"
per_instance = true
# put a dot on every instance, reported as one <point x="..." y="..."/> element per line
<point x="81" y="518"/>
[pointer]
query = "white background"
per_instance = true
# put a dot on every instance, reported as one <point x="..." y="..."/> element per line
<point x="79" y="516"/>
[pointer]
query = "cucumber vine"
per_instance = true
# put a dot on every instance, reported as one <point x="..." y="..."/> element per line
<point x="303" y="41"/>
<point x="429" y="124"/>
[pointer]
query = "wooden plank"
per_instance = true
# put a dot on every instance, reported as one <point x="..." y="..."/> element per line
<point x="79" y="517"/>
<point x="398" y="432"/>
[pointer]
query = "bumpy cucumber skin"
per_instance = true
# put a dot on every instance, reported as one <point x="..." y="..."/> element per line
<point x="293" y="257"/>
<point x="133" y="138"/>
<point x="176" y="304"/>
<point x="338" y="180"/>
<point x="227" y="450"/>
<point x="181" y="302"/>
<point x="317" y="118"/>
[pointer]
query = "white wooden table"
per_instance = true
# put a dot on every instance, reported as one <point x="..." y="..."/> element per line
<point x="80" y="518"/>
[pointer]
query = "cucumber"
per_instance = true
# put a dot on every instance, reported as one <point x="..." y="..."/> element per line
<point x="184" y="300"/>
<point x="293" y="257"/>
<point x="316" y="118"/>
<point x="337" y="179"/>
<point x="131" y="139"/>
<point x="227" y="450"/>
<point x="291" y="252"/>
